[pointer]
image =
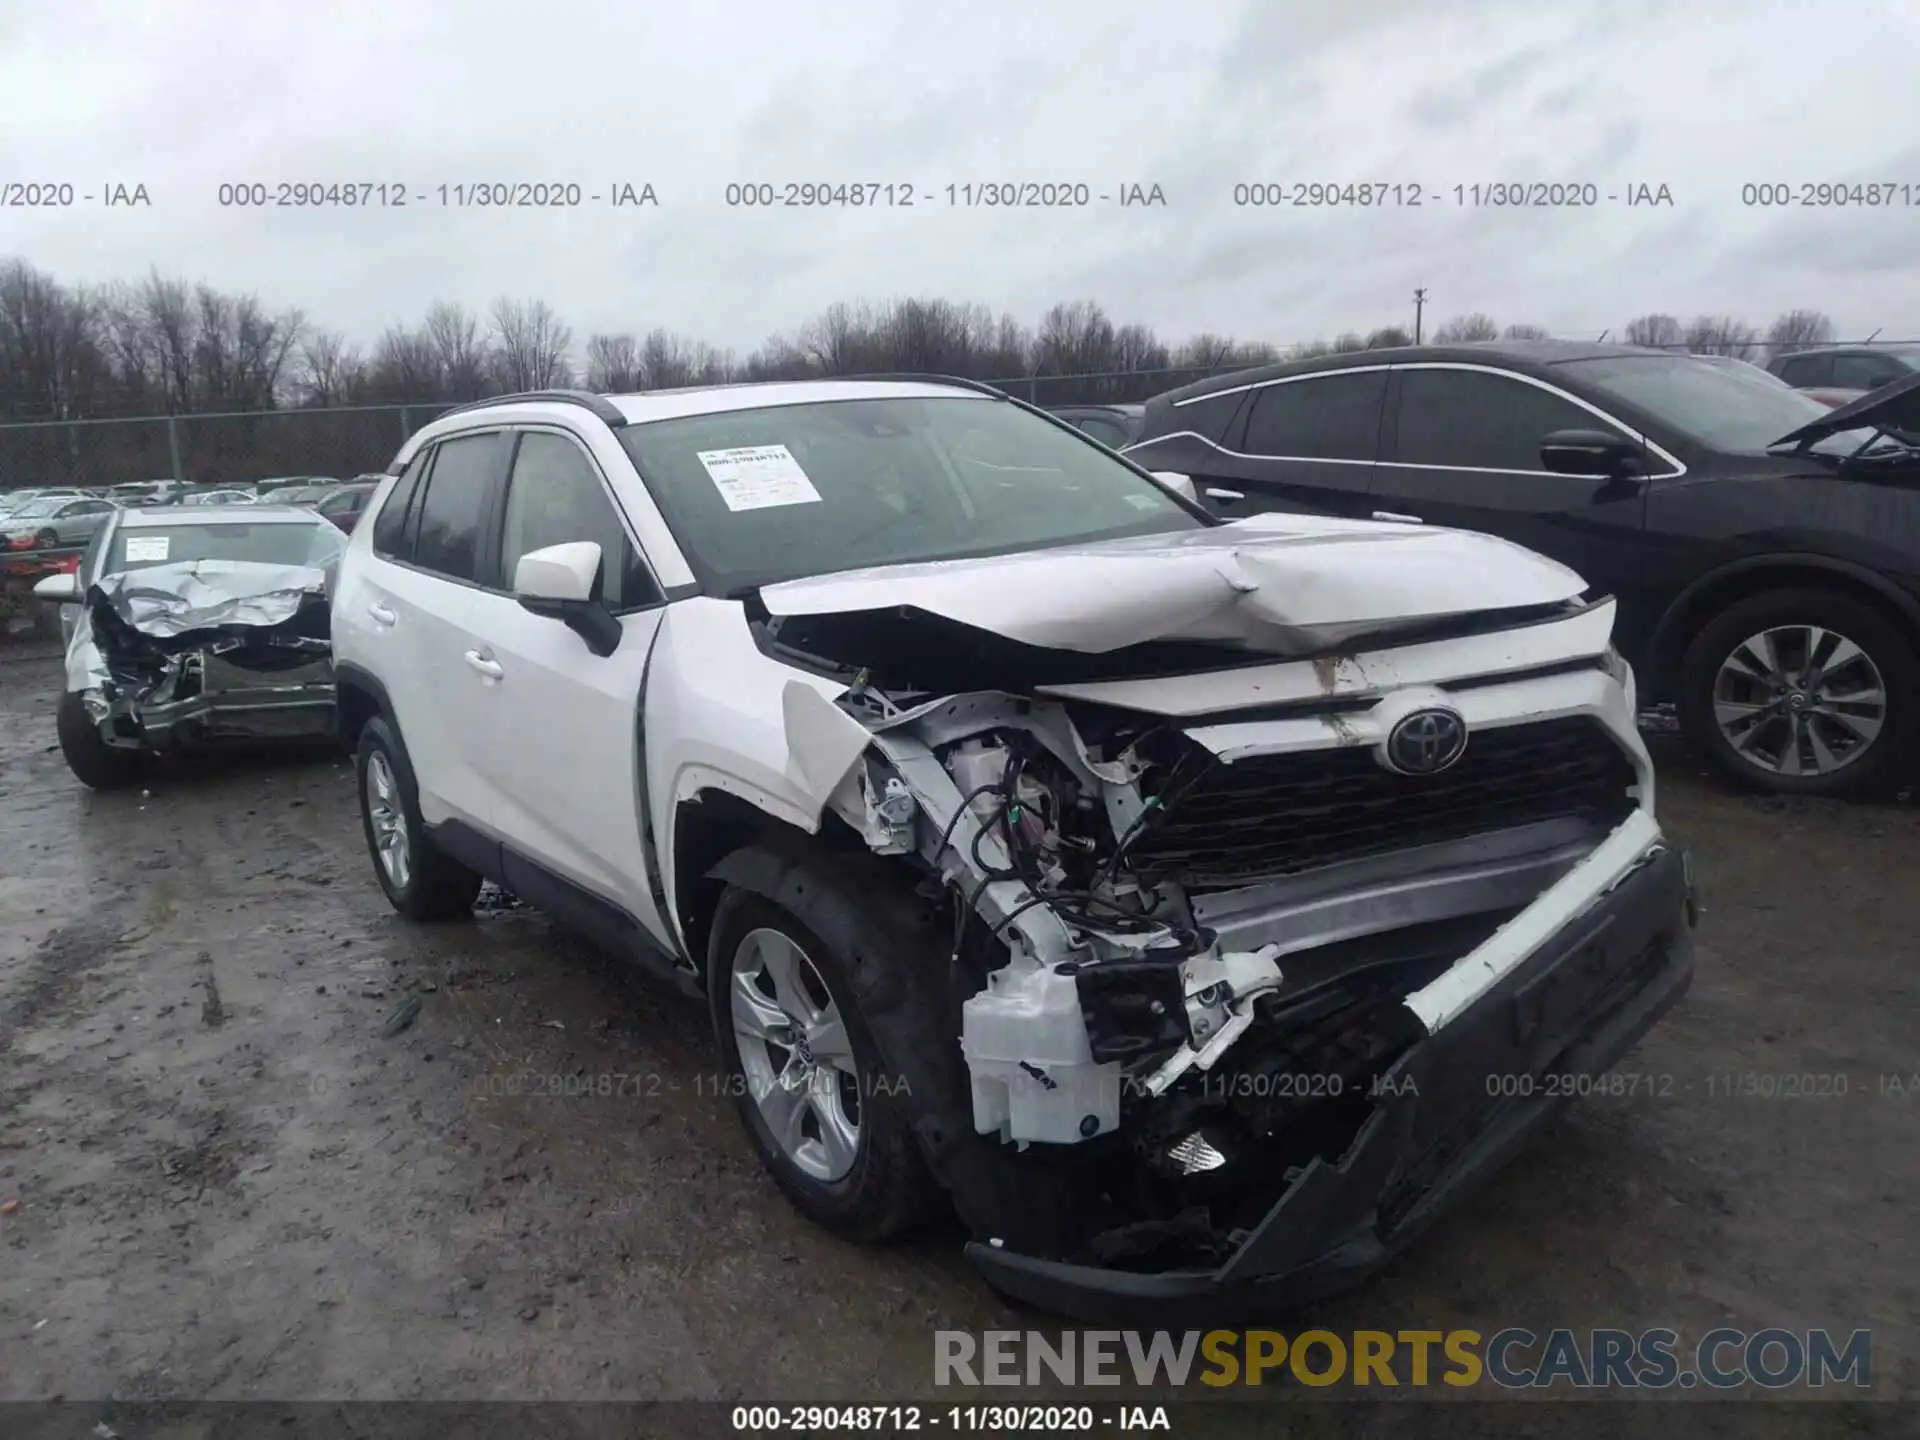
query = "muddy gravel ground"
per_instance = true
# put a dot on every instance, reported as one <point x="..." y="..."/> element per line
<point x="220" y="1178"/>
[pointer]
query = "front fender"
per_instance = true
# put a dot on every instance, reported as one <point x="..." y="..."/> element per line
<point x="718" y="715"/>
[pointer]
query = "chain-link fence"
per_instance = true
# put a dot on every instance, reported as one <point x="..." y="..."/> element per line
<point x="228" y="448"/>
<point x="237" y="447"/>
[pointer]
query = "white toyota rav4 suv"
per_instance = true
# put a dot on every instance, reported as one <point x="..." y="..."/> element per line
<point x="1200" y="907"/>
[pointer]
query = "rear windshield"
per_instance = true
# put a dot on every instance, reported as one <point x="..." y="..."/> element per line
<point x="280" y="543"/>
<point x="759" y="496"/>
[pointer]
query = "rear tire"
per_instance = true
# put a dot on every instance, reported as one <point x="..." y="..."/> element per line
<point x="94" y="763"/>
<point x="420" y="882"/>
<point x="1802" y="692"/>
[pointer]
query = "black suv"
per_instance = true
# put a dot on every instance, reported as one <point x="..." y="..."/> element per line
<point x="1765" y="550"/>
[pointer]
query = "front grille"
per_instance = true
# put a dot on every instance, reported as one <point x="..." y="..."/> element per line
<point x="1277" y="815"/>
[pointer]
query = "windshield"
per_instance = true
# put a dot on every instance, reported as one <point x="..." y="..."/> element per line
<point x="39" y="509"/>
<point x="277" y="543"/>
<point x="759" y="496"/>
<point x="1717" y="406"/>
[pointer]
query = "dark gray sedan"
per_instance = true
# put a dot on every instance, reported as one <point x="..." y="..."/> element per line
<point x="54" y="522"/>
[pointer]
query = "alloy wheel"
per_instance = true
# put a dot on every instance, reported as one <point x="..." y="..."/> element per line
<point x="795" y="1054"/>
<point x="1799" y="700"/>
<point x="388" y="817"/>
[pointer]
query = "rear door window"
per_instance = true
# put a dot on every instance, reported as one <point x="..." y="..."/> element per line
<point x="1322" y="417"/>
<point x="453" y="509"/>
<point x="1805" y="370"/>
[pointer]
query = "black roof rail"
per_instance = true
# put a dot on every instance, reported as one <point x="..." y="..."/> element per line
<point x="978" y="386"/>
<point x="602" y="408"/>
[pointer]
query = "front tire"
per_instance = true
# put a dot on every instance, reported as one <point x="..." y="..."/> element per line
<point x="94" y="763"/>
<point x="830" y="1126"/>
<point x="1801" y="692"/>
<point x="420" y="882"/>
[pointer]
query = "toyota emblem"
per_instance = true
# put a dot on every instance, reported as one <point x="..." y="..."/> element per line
<point x="1425" y="742"/>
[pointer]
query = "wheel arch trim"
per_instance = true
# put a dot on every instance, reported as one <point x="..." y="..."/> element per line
<point x="1666" y="643"/>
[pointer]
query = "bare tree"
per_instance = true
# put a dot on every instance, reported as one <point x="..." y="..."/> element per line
<point x="1525" y="332"/>
<point x="530" y="345"/>
<point x="1348" y="341"/>
<point x="1722" y="335"/>
<point x="406" y="366"/>
<point x="1075" y="339"/>
<point x="669" y="361"/>
<point x="51" y="364"/>
<point x="613" y="364"/>
<point x="1799" y="330"/>
<point x="1659" y="331"/>
<point x="167" y="315"/>
<point x="1388" y="337"/>
<point x="329" y="371"/>
<point x="1466" y="330"/>
<point x="460" y="349"/>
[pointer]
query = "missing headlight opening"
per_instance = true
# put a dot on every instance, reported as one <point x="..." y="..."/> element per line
<point x="1202" y="965"/>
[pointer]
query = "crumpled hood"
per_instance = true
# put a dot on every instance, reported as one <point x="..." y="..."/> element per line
<point x="171" y="608"/>
<point x="1272" y="581"/>
<point x="168" y="600"/>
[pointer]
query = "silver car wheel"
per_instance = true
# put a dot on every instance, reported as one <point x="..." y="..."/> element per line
<point x="1799" y="700"/>
<point x="388" y="817"/>
<point x="795" y="1054"/>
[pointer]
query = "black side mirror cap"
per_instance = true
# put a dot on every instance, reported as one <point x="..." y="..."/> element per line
<point x="1592" y="452"/>
<point x="591" y="620"/>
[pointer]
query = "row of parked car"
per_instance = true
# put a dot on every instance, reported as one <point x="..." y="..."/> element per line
<point x="63" y="517"/>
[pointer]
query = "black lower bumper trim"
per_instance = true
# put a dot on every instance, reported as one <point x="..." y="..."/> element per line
<point x="1444" y="1123"/>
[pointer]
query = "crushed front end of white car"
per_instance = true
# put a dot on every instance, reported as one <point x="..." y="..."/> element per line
<point x="1298" y="869"/>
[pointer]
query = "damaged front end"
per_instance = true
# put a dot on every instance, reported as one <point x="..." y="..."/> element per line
<point x="1261" y="965"/>
<point x="205" y="652"/>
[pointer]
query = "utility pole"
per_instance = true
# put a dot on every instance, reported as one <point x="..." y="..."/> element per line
<point x="1419" y="304"/>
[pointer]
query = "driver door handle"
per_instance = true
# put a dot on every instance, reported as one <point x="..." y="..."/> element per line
<point x="485" y="664"/>
<point x="1214" y="492"/>
<point x="381" y="613"/>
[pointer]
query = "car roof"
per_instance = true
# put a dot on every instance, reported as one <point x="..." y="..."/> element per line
<point x="217" y="515"/>
<point x="1513" y="354"/>
<point x="717" y="399"/>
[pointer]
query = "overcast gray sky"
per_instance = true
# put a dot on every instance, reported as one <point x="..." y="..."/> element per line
<point x="1192" y="95"/>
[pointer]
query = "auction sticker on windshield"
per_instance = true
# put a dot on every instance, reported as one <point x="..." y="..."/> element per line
<point x="147" y="547"/>
<point x="758" y="477"/>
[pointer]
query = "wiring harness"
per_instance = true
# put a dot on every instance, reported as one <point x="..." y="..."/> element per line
<point x="1047" y="878"/>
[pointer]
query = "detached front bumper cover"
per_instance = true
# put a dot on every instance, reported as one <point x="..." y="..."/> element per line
<point x="1445" y="1120"/>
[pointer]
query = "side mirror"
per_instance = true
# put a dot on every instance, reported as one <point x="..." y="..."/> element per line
<point x="1180" y="484"/>
<point x="1592" y="452"/>
<point x="61" y="589"/>
<point x="558" y="582"/>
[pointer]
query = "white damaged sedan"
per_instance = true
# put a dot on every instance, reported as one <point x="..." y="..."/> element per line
<point x="1199" y="908"/>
